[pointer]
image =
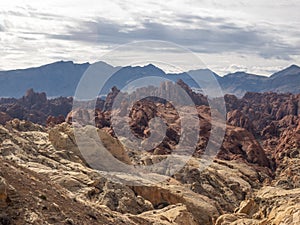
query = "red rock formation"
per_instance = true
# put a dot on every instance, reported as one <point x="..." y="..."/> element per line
<point x="4" y="117"/>
<point x="271" y="118"/>
<point x="238" y="119"/>
<point x="35" y="107"/>
<point x="264" y="114"/>
<point x="241" y="144"/>
<point x="288" y="144"/>
<point x="52" y="120"/>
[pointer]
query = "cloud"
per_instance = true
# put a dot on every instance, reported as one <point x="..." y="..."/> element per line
<point x="235" y="67"/>
<point x="4" y="24"/>
<point x="200" y="34"/>
<point x="2" y="28"/>
<point x="221" y="32"/>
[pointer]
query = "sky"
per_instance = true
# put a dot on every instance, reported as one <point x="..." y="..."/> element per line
<point x="257" y="36"/>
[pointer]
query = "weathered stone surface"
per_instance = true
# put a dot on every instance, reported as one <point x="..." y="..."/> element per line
<point x="270" y="206"/>
<point x="173" y="214"/>
<point x="3" y="193"/>
<point x="201" y="207"/>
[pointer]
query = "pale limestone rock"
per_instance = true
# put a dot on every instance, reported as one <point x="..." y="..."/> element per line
<point x="173" y="214"/>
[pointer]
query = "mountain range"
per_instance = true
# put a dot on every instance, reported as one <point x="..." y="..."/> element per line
<point x="61" y="79"/>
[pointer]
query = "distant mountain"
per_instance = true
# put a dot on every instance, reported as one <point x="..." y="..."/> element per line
<point x="56" y="79"/>
<point x="240" y="82"/>
<point x="285" y="81"/>
<point x="125" y="75"/>
<point x="61" y="79"/>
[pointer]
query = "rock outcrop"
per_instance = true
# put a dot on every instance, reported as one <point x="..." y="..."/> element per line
<point x="263" y="113"/>
<point x="271" y="205"/>
<point x="34" y="107"/>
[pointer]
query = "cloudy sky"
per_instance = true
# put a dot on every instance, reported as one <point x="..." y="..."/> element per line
<point x="257" y="36"/>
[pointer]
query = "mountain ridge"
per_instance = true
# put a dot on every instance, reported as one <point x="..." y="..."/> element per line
<point x="62" y="77"/>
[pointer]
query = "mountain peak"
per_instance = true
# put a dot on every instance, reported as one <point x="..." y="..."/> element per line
<point x="238" y="74"/>
<point x="291" y="70"/>
<point x="63" y="63"/>
<point x="145" y="68"/>
<point x="293" y="66"/>
<point x="150" y="66"/>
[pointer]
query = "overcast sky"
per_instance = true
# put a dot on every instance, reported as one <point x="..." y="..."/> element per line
<point x="257" y="36"/>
